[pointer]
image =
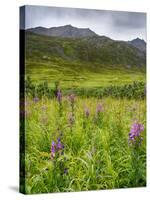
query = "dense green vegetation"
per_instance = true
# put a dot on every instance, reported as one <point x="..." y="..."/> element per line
<point x="130" y="91"/>
<point x="56" y="59"/>
<point x="89" y="49"/>
<point x="85" y="115"/>
<point x="96" y="153"/>
<point x="73" y="74"/>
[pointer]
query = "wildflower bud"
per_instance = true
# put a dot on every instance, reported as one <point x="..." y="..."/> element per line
<point x="99" y="108"/>
<point x="71" y="98"/>
<point x="35" y="99"/>
<point x="59" y="96"/>
<point x="65" y="171"/>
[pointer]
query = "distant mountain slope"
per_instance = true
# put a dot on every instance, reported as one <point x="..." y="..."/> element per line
<point x="138" y="43"/>
<point x="66" y="31"/>
<point x="99" y="49"/>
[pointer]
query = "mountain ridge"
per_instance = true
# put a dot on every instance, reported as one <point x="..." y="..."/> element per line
<point x="47" y="31"/>
<point x="67" y="31"/>
<point x="138" y="43"/>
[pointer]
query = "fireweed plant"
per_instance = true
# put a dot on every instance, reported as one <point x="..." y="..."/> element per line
<point x="86" y="116"/>
<point x="57" y="146"/>
<point x="135" y="142"/>
<point x="79" y="146"/>
<point x="58" y="159"/>
<point x="99" y="114"/>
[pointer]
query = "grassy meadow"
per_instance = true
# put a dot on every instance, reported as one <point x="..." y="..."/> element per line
<point x="85" y="127"/>
<point x="82" y="62"/>
<point x="96" y="152"/>
<point x="82" y="74"/>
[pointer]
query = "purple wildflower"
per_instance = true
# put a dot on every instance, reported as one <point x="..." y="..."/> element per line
<point x="65" y="171"/>
<point x="87" y="112"/>
<point x="59" y="145"/>
<point x="71" y="98"/>
<point x="99" y="108"/>
<point x="35" y="99"/>
<point x="135" y="133"/>
<point x="59" y="96"/>
<point x="56" y="148"/>
<point x="53" y="149"/>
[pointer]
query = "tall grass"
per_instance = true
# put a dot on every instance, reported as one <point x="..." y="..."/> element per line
<point x="96" y="153"/>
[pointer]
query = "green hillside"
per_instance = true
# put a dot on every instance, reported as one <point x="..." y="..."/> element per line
<point x="84" y="62"/>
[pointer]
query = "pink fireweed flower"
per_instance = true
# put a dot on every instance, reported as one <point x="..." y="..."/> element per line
<point x="135" y="133"/>
<point x="59" y="96"/>
<point x="35" y="99"/>
<point x="71" y="98"/>
<point x="53" y="149"/>
<point x="60" y="146"/>
<point x="66" y="171"/>
<point x="99" y="108"/>
<point x="98" y="112"/>
<point x="56" y="148"/>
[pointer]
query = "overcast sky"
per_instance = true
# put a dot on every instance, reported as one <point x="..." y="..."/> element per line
<point x="114" y="24"/>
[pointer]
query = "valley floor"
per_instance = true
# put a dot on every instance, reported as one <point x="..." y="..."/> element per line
<point x="82" y="74"/>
